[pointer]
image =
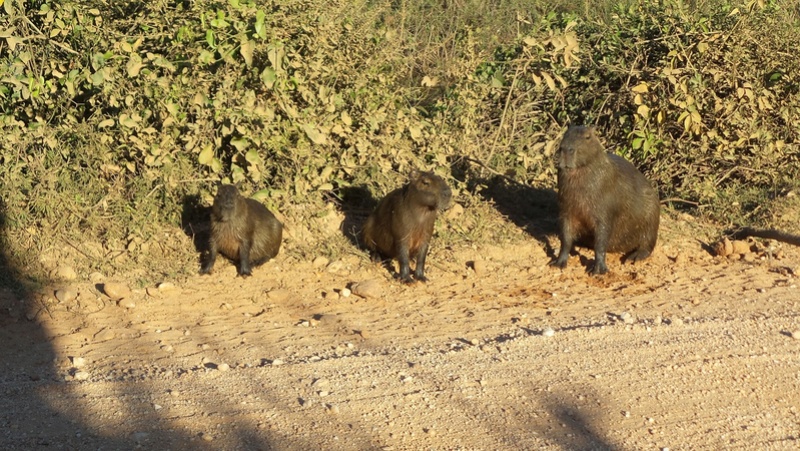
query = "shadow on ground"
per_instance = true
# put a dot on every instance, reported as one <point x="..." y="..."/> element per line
<point x="534" y="210"/>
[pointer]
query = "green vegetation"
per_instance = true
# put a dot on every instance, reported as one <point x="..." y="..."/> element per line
<point x="113" y="114"/>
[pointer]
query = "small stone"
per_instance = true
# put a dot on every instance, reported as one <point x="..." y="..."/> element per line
<point x="165" y="286"/>
<point x="126" y="303"/>
<point x="740" y="247"/>
<point x="105" y="334"/>
<point x="479" y="266"/>
<point x="66" y="273"/>
<point x="140" y="437"/>
<point x="548" y="332"/>
<point x="167" y="348"/>
<point x="367" y="289"/>
<point x="323" y="393"/>
<point x="66" y="294"/>
<point x="206" y="437"/>
<point x="304" y="323"/>
<point x="157" y="407"/>
<point x="116" y="291"/>
<point x="335" y="266"/>
<point x="676" y="322"/>
<point x="279" y="295"/>
<point x="345" y="292"/>
<point x="333" y="409"/>
<point x="226" y="306"/>
<point x="626" y="318"/>
<point x="96" y="277"/>
<point x="78" y="362"/>
<point x="152" y="292"/>
<point x="277" y="362"/>
<point x="320" y="261"/>
<point x="223" y="367"/>
<point x="796" y="335"/>
<point x="321" y="383"/>
<point x="174" y="393"/>
<point x="80" y="376"/>
<point x="626" y="414"/>
<point x="331" y="295"/>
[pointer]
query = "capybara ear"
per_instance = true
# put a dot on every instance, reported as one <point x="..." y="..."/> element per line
<point x="414" y="174"/>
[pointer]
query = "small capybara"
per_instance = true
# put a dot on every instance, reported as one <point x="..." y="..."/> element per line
<point x="604" y="202"/>
<point x="402" y="224"/>
<point x="243" y="230"/>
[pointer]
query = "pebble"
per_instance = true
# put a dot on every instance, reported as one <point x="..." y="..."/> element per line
<point x="78" y="362"/>
<point x="332" y="408"/>
<point x="323" y="393"/>
<point x="152" y="292"/>
<point x="321" y="383"/>
<point x="319" y="262"/>
<point x="66" y="273"/>
<point x="105" y="334"/>
<point x="226" y="306"/>
<point x="626" y="318"/>
<point x="157" y="407"/>
<point x="167" y="348"/>
<point x="126" y="303"/>
<point x="479" y="266"/>
<point x="80" y="376"/>
<point x="116" y="291"/>
<point x="66" y="294"/>
<point x="345" y="292"/>
<point x="165" y="286"/>
<point x="140" y="436"/>
<point x="676" y="322"/>
<point x="207" y="437"/>
<point x="277" y="362"/>
<point x="279" y="295"/>
<point x="548" y="332"/>
<point x="796" y="335"/>
<point x="367" y="289"/>
<point x="335" y="266"/>
<point x="96" y="277"/>
<point x="223" y="367"/>
<point x="740" y="247"/>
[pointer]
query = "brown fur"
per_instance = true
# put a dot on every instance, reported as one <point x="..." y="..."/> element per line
<point x="243" y="230"/>
<point x="604" y="202"/>
<point x="402" y="224"/>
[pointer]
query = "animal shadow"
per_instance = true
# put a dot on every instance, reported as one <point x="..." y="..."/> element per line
<point x="196" y="223"/>
<point x="534" y="210"/>
<point x="355" y="203"/>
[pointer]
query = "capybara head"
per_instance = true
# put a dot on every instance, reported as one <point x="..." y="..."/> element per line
<point x="579" y="146"/>
<point x="431" y="190"/>
<point x="225" y="203"/>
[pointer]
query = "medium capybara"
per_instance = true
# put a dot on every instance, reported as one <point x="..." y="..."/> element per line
<point x="243" y="230"/>
<point x="604" y="202"/>
<point x="402" y="224"/>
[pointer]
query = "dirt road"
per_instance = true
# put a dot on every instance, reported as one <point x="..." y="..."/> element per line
<point x="684" y="351"/>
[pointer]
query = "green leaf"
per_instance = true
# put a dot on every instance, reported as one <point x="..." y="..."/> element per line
<point x="246" y="50"/>
<point x="314" y="134"/>
<point x="206" y="155"/>
<point x="210" y="38"/>
<point x="261" y="30"/>
<point x="252" y="157"/>
<point x="240" y="143"/>
<point x="106" y="123"/>
<point x="268" y="77"/>
<point x="134" y="65"/>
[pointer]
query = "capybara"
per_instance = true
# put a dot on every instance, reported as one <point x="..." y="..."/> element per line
<point x="604" y="202"/>
<point x="243" y="230"/>
<point x="402" y="224"/>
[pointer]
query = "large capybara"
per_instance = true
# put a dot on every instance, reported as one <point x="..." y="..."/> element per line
<point x="402" y="224"/>
<point x="243" y="230"/>
<point x="604" y="202"/>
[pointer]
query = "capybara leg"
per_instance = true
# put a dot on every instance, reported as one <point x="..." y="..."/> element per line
<point x="419" y="272"/>
<point x="405" y="267"/>
<point x="600" y="245"/>
<point x="212" y="257"/>
<point x="638" y="255"/>
<point x="566" y="248"/>
<point x="244" y="258"/>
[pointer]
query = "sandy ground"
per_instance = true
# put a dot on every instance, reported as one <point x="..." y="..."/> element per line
<point x="498" y="351"/>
